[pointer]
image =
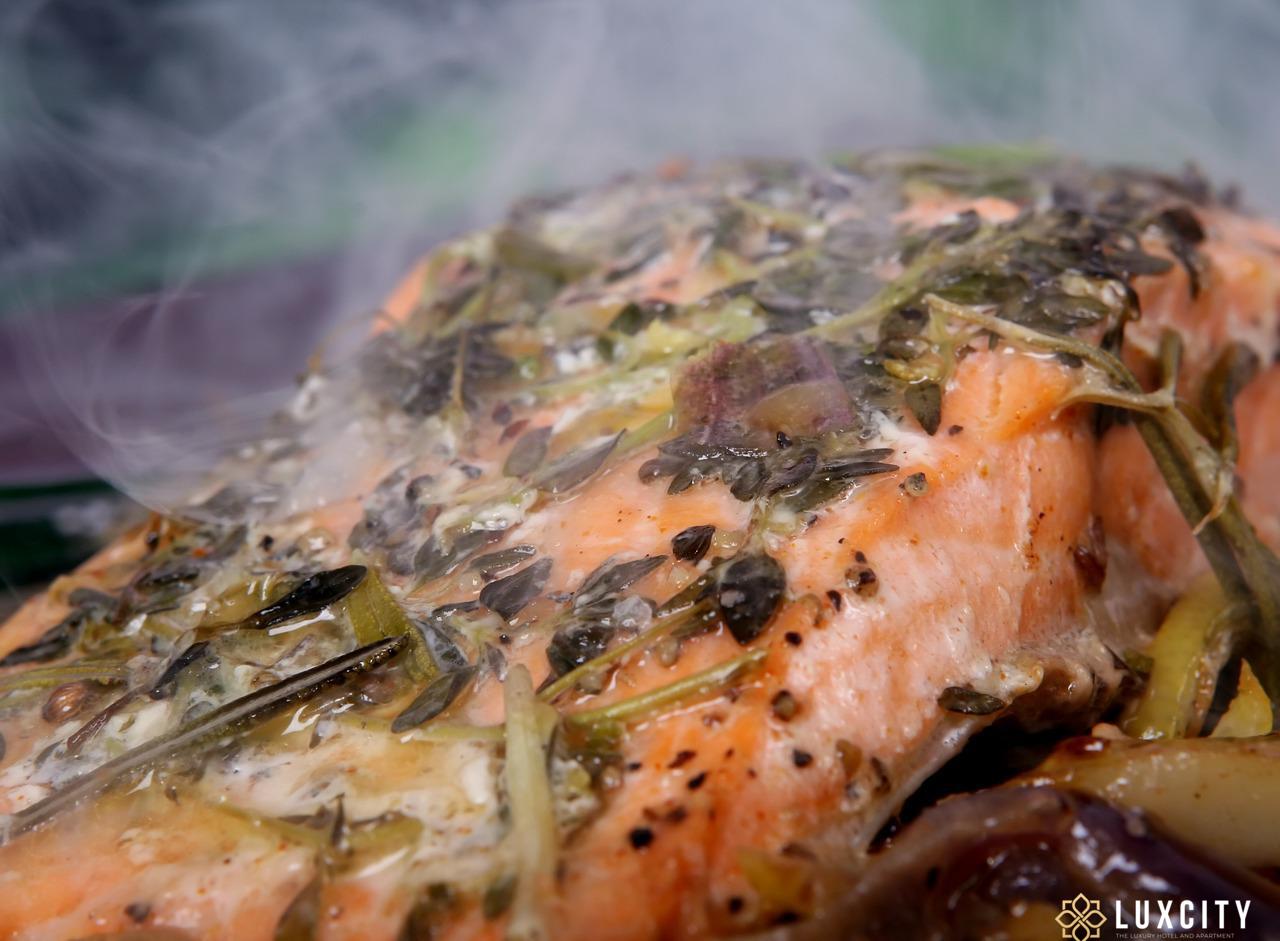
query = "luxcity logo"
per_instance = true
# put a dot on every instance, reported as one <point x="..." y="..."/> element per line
<point x="1082" y="919"/>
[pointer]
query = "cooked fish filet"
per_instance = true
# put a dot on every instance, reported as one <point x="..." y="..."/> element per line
<point x="714" y="455"/>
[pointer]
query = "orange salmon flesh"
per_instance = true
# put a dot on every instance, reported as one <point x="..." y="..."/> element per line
<point x="872" y="527"/>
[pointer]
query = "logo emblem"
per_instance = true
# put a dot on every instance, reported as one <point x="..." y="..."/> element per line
<point x="1081" y="919"/>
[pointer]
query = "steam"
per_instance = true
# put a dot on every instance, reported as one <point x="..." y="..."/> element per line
<point x="385" y="125"/>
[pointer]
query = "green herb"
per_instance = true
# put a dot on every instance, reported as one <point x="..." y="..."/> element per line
<point x="508" y="596"/>
<point x="598" y="612"/>
<point x="92" y="671"/>
<point x="576" y="466"/>
<point x="681" y="618"/>
<point x="436" y="558"/>
<point x="314" y="594"/>
<point x="749" y="591"/>
<point x="438" y="695"/>
<point x="711" y="681"/>
<point x="498" y="897"/>
<point x="527" y="453"/>
<point x="691" y="544"/>
<point x="375" y="615"/>
<point x="492" y="565"/>
<point x="603" y="584"/>
<point x="301" y="919"/>
<point x="535" y="845"/>
<point x="164" y="687"/>
<point x="196" y="737"/>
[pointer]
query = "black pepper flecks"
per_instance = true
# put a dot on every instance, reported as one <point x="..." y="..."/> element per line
<point x="836" y="599"/>
<point x="137" y="911"/>
<point x="915" y="485"/>
<point x="697" y="781"/>
<point x="784" y="705"/>
<point x="793" y="638"/>
<point x="850" y="756"/>
<point x="683" y="757"/>
<point x="881" y="774"/>
<point x="801" y="758"/>
<point x="640" y="837"/>
<point x="862" y="579"/>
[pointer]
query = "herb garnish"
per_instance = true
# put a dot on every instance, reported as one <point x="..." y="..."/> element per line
<point x="508" y="596"/>
<point x="690" y="545"/>
<point x="749" y="591"/>
<point x="315" y="593"/>
<point x="205" y="732"/>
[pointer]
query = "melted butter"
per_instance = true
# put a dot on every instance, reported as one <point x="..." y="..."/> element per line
<point x="449" y="786"/>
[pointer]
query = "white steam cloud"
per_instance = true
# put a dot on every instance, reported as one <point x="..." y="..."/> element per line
<point x="385" y="124"/>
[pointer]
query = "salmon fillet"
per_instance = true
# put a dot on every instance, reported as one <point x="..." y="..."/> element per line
<point x="680" y="529"/>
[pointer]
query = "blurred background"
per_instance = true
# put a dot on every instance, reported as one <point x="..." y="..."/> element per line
<point x="194" y="194"/>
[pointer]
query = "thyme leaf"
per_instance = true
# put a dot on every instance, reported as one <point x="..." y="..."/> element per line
<point x="508" y="596"/>
<point x="438" y="695"/>
<point x="576" y="466"/>
<point x="527" y="453"/>
<point x="611" y="578"/>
